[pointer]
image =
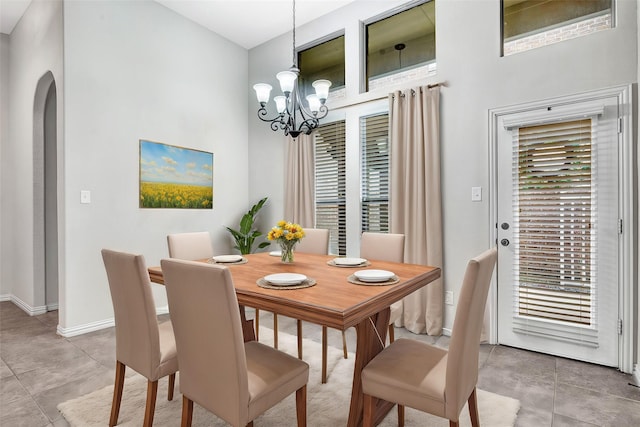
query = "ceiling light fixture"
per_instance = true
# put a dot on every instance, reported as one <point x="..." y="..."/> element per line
<point x="293" y="117"/>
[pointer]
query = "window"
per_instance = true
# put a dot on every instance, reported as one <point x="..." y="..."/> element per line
<point x="402" y="46"/>
<point x="555" y="221"/>
<point x="330" y="177"/>
<point x="323" y="61"/>
<point x="528" y="24"/>
<point x="374" y="140"/>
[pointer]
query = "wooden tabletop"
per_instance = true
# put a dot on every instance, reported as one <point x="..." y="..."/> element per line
<point x="333" y="301"/>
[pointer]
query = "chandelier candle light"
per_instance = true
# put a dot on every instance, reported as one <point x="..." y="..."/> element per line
<point x="293" y="117"/>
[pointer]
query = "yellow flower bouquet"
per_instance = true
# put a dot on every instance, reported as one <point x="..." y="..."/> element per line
<point x="287" y="234"/>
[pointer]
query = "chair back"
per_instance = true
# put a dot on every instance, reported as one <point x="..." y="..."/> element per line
<point x="190" y="246"/>
<point x="209" y="341"/>
<point x="315" y="241"/>
<point x="464" y="347"/>
<point x="382" y="246"/>
<point x="137" y="336"/>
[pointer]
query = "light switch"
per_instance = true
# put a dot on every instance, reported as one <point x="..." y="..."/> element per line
<point x="476" y="194"/>
<point x="85" y="196"/>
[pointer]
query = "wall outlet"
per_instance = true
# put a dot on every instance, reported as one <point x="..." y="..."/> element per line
<point x="448" y="297"/>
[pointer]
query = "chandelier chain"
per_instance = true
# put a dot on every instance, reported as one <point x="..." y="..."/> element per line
<point x="293" y="50"/>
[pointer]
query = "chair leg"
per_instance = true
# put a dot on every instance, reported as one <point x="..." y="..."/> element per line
<point x="392" y="332"/>
<point x="344" y="346"/>
<point x="454" y="423"/>
<point x="250" y="424"/>
<point x="400" y="415"/>
<point x="473" y="409"/>
<point x="324" y="355"/>
<point x="275" y="330"/>
<point x="152" y="393"/>
<point x="257" y="322"/>
<point x="187" y="411"/>
<point x="172" y="384"/>
<point x="299" y="339"/>
<point x="367" y="410"/>
<point x="301" y="406"/>
<point x="117" y="393"/>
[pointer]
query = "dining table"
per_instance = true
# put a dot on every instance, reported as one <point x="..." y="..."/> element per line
<point x="335" y="298"/>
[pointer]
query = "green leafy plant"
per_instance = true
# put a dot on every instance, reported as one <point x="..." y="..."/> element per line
<point x="247" y="234"/>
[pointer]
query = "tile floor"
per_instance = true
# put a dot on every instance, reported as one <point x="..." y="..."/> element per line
<point x="39" y="369"/>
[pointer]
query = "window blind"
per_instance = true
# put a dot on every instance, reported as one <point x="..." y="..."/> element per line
<point x="374" y="149"/>
<point x="554" y="214"/>
<point x="330" y="181"/>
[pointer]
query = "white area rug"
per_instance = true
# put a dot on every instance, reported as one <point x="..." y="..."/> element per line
<point x="327" y="404"/>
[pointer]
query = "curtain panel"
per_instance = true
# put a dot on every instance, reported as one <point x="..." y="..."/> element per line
<point x="416" y="198"/>
<point x="299" y="183"/>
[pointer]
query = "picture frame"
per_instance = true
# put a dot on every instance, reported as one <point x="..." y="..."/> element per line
<point x="173" y="177"/>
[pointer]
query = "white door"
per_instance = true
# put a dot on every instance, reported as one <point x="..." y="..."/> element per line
<point x="558" y="229"/>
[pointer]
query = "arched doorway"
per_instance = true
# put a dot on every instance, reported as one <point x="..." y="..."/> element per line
<point x="45" y="194"/>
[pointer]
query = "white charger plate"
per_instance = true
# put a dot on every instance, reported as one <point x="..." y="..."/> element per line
<point x="373" y="276"/>
<point x="284" y="279"/>
<point x="227" y="258"/>
<point x="349" y="261"/>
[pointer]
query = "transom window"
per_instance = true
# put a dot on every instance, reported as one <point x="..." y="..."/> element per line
<point x="322" y="61"/>
<point x="528" y="24"/>
<point x="401" y="46"/>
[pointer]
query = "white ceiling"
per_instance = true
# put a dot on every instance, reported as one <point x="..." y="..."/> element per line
<point x="244" y="22"/>
<point x="10" y="13"/>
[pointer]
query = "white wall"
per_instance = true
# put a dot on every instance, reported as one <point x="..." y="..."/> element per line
<point x="636" y="368"/>
<point x="478" y="79"/>
<point x="136" y="70"/>
<point x="5" y="289"/>
<point x="133" y="70"/>
<point x="35" y="48"/>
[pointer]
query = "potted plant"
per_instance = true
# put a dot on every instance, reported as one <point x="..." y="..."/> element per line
<point x="247" y="234"/>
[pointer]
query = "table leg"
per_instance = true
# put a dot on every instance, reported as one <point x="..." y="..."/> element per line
<point x="247" y="326"/>
<point x="367" y="347"/>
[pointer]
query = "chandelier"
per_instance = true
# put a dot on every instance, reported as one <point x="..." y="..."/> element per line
<point x="293" y="116"/>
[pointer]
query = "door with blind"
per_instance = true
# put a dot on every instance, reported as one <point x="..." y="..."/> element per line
<point x="558" y="229"/>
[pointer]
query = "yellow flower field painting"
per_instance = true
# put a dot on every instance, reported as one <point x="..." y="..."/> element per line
<point x="175" y="177"/>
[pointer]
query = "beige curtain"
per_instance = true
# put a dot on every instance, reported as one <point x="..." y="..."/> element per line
<point x="415" y="197"/>
<point x="299" y="182"/>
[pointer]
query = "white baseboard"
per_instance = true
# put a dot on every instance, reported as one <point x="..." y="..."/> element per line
<point x="31" y="311"/>
<point x="86" y="328"/>
<point x="96" y="326"/>
<point x="5" y="297"/>
<point x="636" y="375"/>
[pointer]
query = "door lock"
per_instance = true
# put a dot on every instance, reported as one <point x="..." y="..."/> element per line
<point x="504" y="225"/>
<point x="504" y="242"/>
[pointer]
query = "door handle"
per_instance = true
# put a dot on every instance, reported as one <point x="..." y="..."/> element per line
<point x="504" y="242"/>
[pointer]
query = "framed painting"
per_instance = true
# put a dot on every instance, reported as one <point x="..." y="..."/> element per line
<point x="174" y="177"/>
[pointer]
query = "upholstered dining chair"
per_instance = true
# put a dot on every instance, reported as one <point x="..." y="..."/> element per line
<point x="142" y="344"/>
<point x="316" y="241"/>
<point x="190" y="246"/>
<point x="384" y="247"/>
<point x="235" y="380"/>
<point x="373" y="246"/>
<point x="428" y="378"/>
